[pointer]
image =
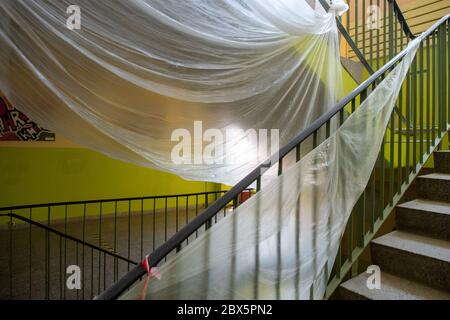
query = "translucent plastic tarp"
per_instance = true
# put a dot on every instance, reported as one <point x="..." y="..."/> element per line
<point x="282" y="242"/>
<point x="138" y="70"/>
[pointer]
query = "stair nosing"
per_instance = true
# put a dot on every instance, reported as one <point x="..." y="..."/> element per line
<point x="400" y="280"/>
<point x="436" y="176"/>
<point x="410" y="206"/>
<point x="393" y="246"/>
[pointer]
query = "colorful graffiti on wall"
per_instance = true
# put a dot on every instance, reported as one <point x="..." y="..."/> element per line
<point x="15" y="126"/>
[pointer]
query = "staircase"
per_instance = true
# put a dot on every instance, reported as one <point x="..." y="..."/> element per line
<point x="415" y="259"/>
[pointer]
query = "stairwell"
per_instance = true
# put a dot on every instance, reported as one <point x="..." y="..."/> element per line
<point x="415" y="258"/>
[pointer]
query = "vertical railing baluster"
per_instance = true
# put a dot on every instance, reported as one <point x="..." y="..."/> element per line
<point x="61" y="271"/>
<point x="408" y="122"/>
<point x="384" y="31"/>
<point x="361" y="202"/>
<point x="428" y="99"/>
<point x="76" y="259"/>
<point x="356" y="25"/>
<point x="415" y="112"/>
<point x="279" y="221"/>
<point x="65" y="245"/>
<point x="176" y="214"/>
<point x="400" y="140"/>
<point x="433" y="95"/>
<point x="382" y="177"/>
<point x="314" y="212"/>
<point x="208" y="224"/>
<point x="402" y="34"/>
<point x="443" y="70"/>
<point x="129" y="234"/>
<point x="116" y="266"/>
<point x="196" y="213"/>
<point x="179" y="246"/>
<point x="395" y="35"/>
<point x="165" y="219"/>
<point x="447" y="71"/>
<point x="165" y="222"/>
<point x="99" y="245"/>
<point x="92" y="273"/>
<point x="373" y="199"/>
<point x="153" y="225"/>
<point x="363" y="13"/>
<point x="441" y="109"/>
<point x="391" y="31"/>
<point x="142" y="228"/>
<point x="215" y="199"/>
<point x="371" y="36"/>
<point x="84" y="239"/>
<point x="348" y="16"/>
<point x="30" y="258"/>
<point x="104" y="271"/>
<point x="47" y="238"/>
<point x="392" y="160"/>
<point x="11" y="256"/>
<point x="233" y="246"/>
<point x="378" y="34"/>
<point x="187" y="216"/>
<point x="421" y="107"/>
<point x="257" y="229"/>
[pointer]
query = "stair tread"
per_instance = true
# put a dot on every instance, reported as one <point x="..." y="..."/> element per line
<point x="416" y="244"/>
<point x="427" y="205"/>
<point x="394" y="288"/>
<point x="437" y="175"/>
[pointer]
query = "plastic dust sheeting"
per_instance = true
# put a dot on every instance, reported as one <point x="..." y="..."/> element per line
<point x="138" y="70"/>
<point x="282" y="242"/>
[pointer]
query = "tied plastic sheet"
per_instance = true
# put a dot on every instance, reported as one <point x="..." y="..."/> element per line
<point x="282" y="242"/>
<point x="138" y="70"/>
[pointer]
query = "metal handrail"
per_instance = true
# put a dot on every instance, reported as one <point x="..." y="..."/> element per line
<point x="57" y="204"/>
<point x="349" y="40"/>
<point x="173" y="243"/>
<point x="401" y="18"/>
<point x="66" y="236"/>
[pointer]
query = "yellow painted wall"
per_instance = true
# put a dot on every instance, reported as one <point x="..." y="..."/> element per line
<point x="34" y="173"/>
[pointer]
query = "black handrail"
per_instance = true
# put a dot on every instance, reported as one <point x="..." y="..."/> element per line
<point x="349" y="40"/>
<point x="402" y="20"/>
<point x="354" y="46"/>
<point x="173" y="243"/>
<point x="66" y="236"/>
<point x="57" y="204"/>
<point x="362" y="59"/>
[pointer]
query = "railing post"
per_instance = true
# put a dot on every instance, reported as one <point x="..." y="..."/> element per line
<point x="442" y="70"/>
<point x="391" y="30"/>
<point x="208" y="224"/>
<point x="11" y="253"/>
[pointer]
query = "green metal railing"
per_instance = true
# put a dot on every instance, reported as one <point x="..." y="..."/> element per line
<point x="38" y="271"/>
<point x="423" y="99"/>
<point x="379" y="30"/>
<point x="104" y="237"/>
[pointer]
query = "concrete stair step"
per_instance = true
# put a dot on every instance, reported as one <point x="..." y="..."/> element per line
<point x="392" y="288"/>
<point x="435" y="186"/>
<point x="442" y="161"/>
<point x="415" y="257"/>
<point x="426" y="217"/>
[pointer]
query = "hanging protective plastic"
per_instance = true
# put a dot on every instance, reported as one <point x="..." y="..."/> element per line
<point x="282" y="242"/>
<point x="139" y="71"/>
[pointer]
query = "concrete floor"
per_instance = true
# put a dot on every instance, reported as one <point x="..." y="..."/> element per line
<point x="24" y="276"/>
